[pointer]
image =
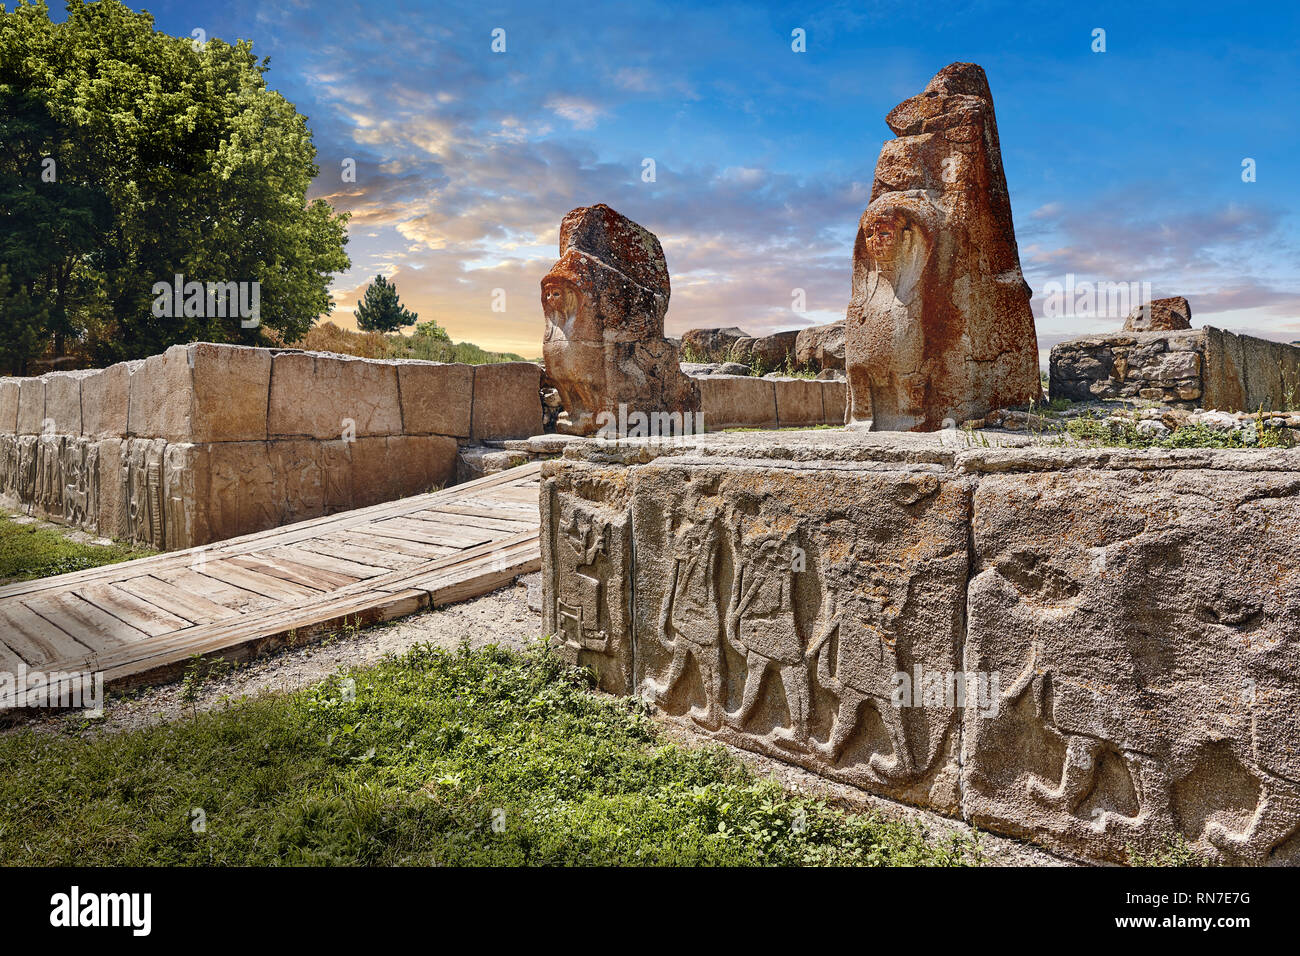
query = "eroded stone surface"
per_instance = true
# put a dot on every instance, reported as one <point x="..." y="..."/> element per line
<point x="1133" y="617"/>
<point x="821" y="347"/>
<point x="1160" y="315"/>
<point x="939" y="325"/>
<point x="604" y="302"/>
<point x="1147" y="630"/>
<point x="507" y="401"/>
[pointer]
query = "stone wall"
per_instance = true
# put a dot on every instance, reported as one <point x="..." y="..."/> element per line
<point x="1124" y="625"/>
<point x="1206" y="368"/>
<point x="207" y="442"/>
<point x="737" y="401"/>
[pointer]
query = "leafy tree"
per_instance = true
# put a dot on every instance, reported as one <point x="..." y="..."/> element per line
<point x="431" y="331"/>
<point x="380" y="310"/>
<point x="169" y="159"/>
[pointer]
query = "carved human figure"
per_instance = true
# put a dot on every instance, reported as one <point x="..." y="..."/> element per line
<point x="857" y="660"/>
<point x="583" y="541"/>
<point x="691" y="616"/>
<point x="762" y="627"/>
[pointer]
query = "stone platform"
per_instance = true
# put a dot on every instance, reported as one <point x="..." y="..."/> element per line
<point x="1089" y="649"/>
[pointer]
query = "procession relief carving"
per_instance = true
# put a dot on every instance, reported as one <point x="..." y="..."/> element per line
<point x="740" y="626"/>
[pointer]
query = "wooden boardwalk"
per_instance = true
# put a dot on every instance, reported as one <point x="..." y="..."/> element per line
<point x="143" y="620"/>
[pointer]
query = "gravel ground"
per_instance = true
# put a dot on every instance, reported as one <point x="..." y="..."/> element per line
<point x="509" y="617"/>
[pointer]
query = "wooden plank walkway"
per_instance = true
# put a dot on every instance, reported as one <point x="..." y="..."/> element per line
<point x="142" y="621"/>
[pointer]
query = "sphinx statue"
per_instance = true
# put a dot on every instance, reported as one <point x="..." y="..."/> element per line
<point x="939" y="327"/>
<point x="604" y="302"/>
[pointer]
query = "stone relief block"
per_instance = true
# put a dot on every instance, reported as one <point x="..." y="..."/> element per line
<point x="777" y="610"/>
<point x="31" y="406"/>
<point x="1146" y="627"/>
<point x="144" y="491"/>
<point x="106" y="400"/>
<point x="586" y="583"/>
<point x="231" y="384"/>
<point x="436" y="398"/>
<point x="242" y="488"/>
<point x="113" y="515"/>
<point x="316" y="395"/>
<point x="507" y="401"/>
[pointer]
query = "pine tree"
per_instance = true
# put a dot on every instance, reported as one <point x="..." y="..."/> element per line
<point x="380" y="310"/>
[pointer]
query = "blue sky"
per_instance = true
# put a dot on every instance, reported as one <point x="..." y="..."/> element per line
<point x="1123" y="166"/>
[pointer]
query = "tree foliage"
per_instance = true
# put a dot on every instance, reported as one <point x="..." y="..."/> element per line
<point x="380" y="310"/>
<point x="127" y="157"/>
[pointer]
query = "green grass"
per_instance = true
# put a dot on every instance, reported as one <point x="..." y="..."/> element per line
<point x="1091" y="431"/>
<point x="415" y="767"/>
<point x="28" y="551"/>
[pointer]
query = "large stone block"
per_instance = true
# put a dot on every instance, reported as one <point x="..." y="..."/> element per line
<point x="315" y="395"/>
<point x="63" y="400"/>
<point x="31" y="406"/>
<point x="798" y="401"/>
<point x="835" y="399"/>
<point x="106" y="401"/>
<point x="1146" y="628"/>
<point x="507" y="401"/>
<point x="437" y="398"/>
<point x="9" y="390"/>
<point x="242" y="489"/>
<point x="162" y="396"/>
<point x="113" y="513"/>
<point x="821" y="346"/>
<point x="731" y="401"/>
<point x="587" y="561"/>
<point x="231" y="385"/>
<point x="781" y="610"/>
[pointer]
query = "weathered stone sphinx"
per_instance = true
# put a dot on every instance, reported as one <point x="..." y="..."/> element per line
<point x="939" y="324"/>
<point x="605" y="301"/>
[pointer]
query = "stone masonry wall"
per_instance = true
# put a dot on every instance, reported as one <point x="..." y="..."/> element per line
<point x="1125" y="625"/>
<point x="1205" y="368"/>
<point x="206" y="442"/>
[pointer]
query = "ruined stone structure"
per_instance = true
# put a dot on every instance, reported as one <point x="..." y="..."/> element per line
<point x="207" y="442"/>
<point x="1201" y="368"/>
<point x="939" y="324"/>
<point x="1160" y="315"/>
<point x="1050" y="642"/>
<point x="604" y="302"/>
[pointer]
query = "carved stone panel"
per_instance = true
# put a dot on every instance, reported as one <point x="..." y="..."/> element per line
<point x="789" y="611"/>
<point x="1146" y="627"/>
<point x="586" y="561"/>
